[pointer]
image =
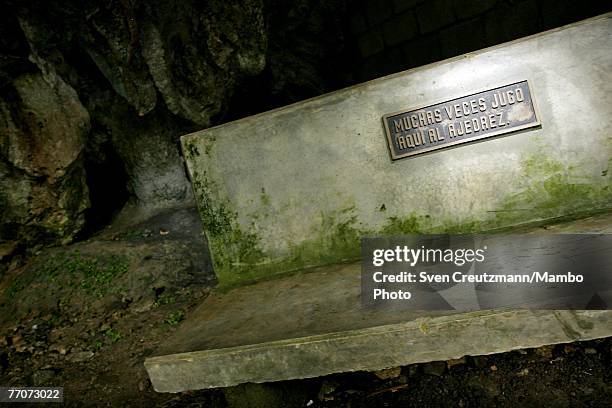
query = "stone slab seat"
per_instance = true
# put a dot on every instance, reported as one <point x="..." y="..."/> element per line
<point x="311" y="323"/>
<point x="285" y="196"/>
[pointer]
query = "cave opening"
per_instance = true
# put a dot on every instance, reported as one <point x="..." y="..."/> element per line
<point x="108" y="193"/>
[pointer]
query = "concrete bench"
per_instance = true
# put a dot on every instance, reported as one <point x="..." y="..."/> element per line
<point x="286" y="195"/>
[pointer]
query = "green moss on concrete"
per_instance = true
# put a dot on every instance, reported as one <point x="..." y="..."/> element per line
<point x="423" y="224"/>
<point x="265" y="198"/>
<point x="215" y="215"/>
<point x="191" y="150"/>
<point x="237" y="254"/>
<point x="234" y="251"/>
<point x="335" y="240"/>
<point x="548" y="189"/>
<point x="545" y="190"/>
<point x="208" y="148"/>
<point x="410" y="224"/>
<point x="240" y="255"/>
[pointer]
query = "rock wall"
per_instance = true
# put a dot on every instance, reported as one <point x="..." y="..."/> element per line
<point x="44" y="126"/>
<point x="94" y="95"/>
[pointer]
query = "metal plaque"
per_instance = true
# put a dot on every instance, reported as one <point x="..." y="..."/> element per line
<point x="477" y="116"/>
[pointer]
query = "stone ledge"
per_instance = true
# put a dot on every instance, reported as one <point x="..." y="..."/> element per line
<point x="312" y="324"/>
<point x="422" y="340"/>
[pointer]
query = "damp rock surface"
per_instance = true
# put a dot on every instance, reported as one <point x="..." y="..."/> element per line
<point x="94" y="96"/>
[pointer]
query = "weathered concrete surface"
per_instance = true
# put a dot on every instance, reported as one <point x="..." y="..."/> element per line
<point x="312" y="324"/>
<point x="422" y="340"/>
<point x="298" y="186"/>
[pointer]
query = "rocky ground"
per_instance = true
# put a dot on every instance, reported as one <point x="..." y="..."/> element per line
<point x="85" y="316"/>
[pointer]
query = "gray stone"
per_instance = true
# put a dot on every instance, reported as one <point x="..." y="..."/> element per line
<point x="388" y="373"/>
<point x="455" y="362"/>
<point x="435" y="14"/>
<point x="80" y="356"/>
<point x="327" y="389"/>
<point x="156" y="173"/>
<point x="310" y="179"/>
<point x="43" y="377"/>
<point x="138" y="50"/>
<point x="235" y="41"/>
<point x="66" y="77"/>
<point x="43" y="193"/>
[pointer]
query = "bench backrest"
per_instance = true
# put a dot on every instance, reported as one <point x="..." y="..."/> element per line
<point x="298" y="186"/>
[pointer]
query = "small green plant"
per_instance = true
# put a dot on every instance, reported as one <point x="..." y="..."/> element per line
<point x="55" y="319"/>
<point x="165" y="299"/>
<point x="15" y="287"/>
<point x="94" y="273"/>
<point x="112" y="335"/>
<point x="97" y="345"/>
<point x="100" y="273"/>
<point x="133" y="234"/>
<point x="175" y="318"/>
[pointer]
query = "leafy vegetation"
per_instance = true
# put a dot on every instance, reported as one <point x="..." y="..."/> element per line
<point x="175" y="318"/>
<point x="113" y="335"/>
<point x="165" y="299"/>
<point x="94" y="274"/>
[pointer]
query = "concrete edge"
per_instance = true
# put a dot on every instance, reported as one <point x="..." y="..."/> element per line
<point x="421" y="340"/>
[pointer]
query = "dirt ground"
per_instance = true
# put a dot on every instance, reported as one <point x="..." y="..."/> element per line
<point x="85" y="317"/>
